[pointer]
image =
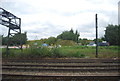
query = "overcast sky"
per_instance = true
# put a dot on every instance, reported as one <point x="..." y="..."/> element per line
<point x="46" y="18"/>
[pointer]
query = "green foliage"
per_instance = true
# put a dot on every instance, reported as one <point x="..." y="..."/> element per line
<point x="4" y="40"/>
<point x="63" y="52"/>
<point x="99" y="40"/>
<point x="51" y="40"/>
<point x="56" y="53"/>
<point x="17" y="39"/>
<point x="65" y="42"/>
<point x="112" y="35"/>
<point x="84" y="41"/>
<point x="35" y="43"/>
<point x="69" y="35"/>
<point x="78" y="54"/>
<point x="66" y="35"/>
<point x="77" y="36"/>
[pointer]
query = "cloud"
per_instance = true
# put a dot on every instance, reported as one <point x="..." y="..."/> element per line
<point x="45" y="18"/>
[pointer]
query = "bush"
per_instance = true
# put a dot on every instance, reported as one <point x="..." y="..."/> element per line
<point x="78" y="54"/>
<point x="64" y="51"/>
<point x="65" y="42"/>
<point x="56" y="52"/>
<point x="38" y="52"/>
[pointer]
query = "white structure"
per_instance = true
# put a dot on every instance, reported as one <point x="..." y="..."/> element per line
<point x="119" y="13"/>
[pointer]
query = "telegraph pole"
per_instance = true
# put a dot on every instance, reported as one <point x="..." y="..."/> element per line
<point x="96" y="24"/>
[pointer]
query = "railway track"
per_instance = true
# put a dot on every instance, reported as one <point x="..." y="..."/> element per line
<point x="60" y="69"/>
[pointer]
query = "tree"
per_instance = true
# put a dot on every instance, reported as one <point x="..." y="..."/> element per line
<point x="99" y="40"/>
<point x="17" y="39"/>
<point x="77" y="36"/>
<point x="4" y="40"/>
<point x="51" y="40"/>
<point x="103" y="39"/>
<point x="69" y="35"/>
<point x="71" y="30"/>
<point x="84" y="41"/>
<point x="66" y="35"/>
<point x="111" y="34"/>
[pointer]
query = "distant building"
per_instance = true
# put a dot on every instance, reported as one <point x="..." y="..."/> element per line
<point x="119" y="13"/>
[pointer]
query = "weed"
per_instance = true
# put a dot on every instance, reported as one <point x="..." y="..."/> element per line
<point x="64" y="51"/>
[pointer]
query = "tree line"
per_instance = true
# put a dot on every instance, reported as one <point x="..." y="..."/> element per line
<point x="17" y="39"/>
<point x="112" y="35"/>
<point x="69" y="35"/>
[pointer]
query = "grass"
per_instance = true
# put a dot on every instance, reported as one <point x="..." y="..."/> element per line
<point x="63" y="52"/>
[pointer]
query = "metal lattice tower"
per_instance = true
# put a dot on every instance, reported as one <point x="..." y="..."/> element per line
<point x="12" y="22"/>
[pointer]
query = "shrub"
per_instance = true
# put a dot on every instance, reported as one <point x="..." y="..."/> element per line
<point x="56" y="52"/>
<point x="78" y="54"/>
<point x="65" y="42"/>
<point x="64" y="51"/>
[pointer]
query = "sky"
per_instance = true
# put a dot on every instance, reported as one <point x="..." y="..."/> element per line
<point x="119" y="12"/>
<point x="49" y="18"/>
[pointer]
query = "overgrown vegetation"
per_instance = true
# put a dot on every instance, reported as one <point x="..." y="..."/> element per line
<point x="63" y="52"/>
<point x="17" y="39"/>
<point x="112" y="34"/>
<point x="69" y="35"/>
<point x="70" y="42"/>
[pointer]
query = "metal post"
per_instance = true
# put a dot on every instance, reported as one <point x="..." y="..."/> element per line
<point x="8" y="42"/>
<point x="20" y="32"/>
<point x="96" y="23"/>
